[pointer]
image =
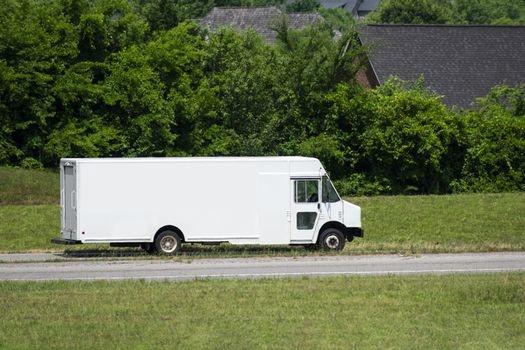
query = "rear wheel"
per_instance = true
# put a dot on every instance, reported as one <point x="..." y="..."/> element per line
<point x="168" y="242"/>
<point x="332" y="239"/>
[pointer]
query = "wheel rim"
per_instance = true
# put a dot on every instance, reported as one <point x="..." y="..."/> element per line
<point x="332" y="241"/>
<point x="168" y="244"/>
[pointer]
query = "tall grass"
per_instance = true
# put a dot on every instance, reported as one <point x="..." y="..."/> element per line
<point x="401" y="224"/>
<point x="397" y="224"/>
<point x="476" y="222"/>
<point x="414" y="312"/>
<point x="23" y="186"/>
<point x="26" y="227"/>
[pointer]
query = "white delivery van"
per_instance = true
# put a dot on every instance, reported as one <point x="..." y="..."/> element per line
<point x="161" y="203"/>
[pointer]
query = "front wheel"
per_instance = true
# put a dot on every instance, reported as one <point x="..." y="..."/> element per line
<point x="168" y="242"/>
<point x="332" y="239"/>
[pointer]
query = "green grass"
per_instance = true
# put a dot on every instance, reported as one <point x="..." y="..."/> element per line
<point x="23" y="186"/>
<point x="450" y="223"/>
<point x="26" y="227"/>
<point x="397" y="224"/>
<point x="415" y="312"/>
<point x="400" y="224"/>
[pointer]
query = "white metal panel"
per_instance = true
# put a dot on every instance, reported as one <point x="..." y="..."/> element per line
<point x="273" y="206"/>
<point x="306" y="167"/>
<point x="68" y="200"/>
<point x="207" y="200"/>
<point x="240" y="200"/>
<point x="352" y="214"/>
<point x="133" y="201"/>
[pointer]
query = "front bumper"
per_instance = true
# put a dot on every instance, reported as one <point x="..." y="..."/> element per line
<point x="352" y="232"/>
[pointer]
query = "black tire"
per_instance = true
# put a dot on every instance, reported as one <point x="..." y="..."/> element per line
<point x="149" y="247"/>
<point x="168" y="242"/>
<point x="332" y="239"/>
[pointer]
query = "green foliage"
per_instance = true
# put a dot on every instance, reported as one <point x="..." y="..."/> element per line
<point x="243" y="74"/>
<point x="303" y="6"/>
<point x="410" y="12"/>
<point x="134" y="78"/>
<point x="166" y="14"/>
<point x="495" y="159"/>
<point x="401" y="139"/>
<point x="449" y="11"/>
<point x="489" y="12"/>
<point x="409" y="139"/>
<point x="338" y="19"/>
<point x="361" y="185"/>
<point x="252" y="3"/>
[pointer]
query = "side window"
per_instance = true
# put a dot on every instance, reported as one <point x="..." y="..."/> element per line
<point x="329" y="193"/>
<point x="306" y="191"/>
<point x="306" y="220"/>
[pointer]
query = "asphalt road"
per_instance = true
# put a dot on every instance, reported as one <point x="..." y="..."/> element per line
<point x="264" y="267"/>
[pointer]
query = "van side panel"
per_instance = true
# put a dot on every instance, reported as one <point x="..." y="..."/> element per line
<point x="207" y="201"/>
<point x="273" y="208"/>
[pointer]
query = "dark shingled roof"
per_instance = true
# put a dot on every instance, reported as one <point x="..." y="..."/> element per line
<point x="358" y="8"/>
<point x="331" y="4"/>
<point x="257" y="18"/>
<point x="459" y="62"/>
<point x="369" y="5"/>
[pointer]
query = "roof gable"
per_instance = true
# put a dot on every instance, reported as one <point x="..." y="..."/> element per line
<point x="459" y="62"/>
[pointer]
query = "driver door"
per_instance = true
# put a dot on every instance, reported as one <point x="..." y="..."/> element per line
<point x="305" y="209"/>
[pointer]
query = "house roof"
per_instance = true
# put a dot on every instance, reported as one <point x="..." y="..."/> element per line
<point x="256" y="18"/>
<point x="349" y="5"/>
<point x="368" y="5"/>
<point x="331" y="4"/>
<point x="355" y="7"/>
<point x="459" y="62"/>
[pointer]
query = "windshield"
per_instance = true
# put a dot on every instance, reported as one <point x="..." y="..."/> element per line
<point x="329" y="193"/>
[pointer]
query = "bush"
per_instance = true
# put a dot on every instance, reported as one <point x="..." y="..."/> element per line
<point x="30" y="163"/>
<point x="407" y="136"/>
<point x="495" y="135"/>
<point x="360" y="185"/>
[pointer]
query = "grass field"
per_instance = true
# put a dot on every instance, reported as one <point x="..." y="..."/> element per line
<point x="400" y="224"/>
<point x="23" y="186"/>
<point x="431" y="312"/>
<point x="397" y="224"/>
<point x="450" y="223"/>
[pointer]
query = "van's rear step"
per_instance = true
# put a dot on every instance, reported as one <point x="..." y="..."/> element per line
<point x="64" y="241"/>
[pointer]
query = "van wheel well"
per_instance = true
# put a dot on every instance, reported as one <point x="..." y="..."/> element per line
<point x="169" y="228"/>
<point x="332" y="224"/>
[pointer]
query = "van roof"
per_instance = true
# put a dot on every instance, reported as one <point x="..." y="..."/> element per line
<point x="188" y="159"/>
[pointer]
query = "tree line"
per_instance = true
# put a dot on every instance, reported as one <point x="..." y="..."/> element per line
<point x="117" y="79"/>
<point x="494" y="12"/>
